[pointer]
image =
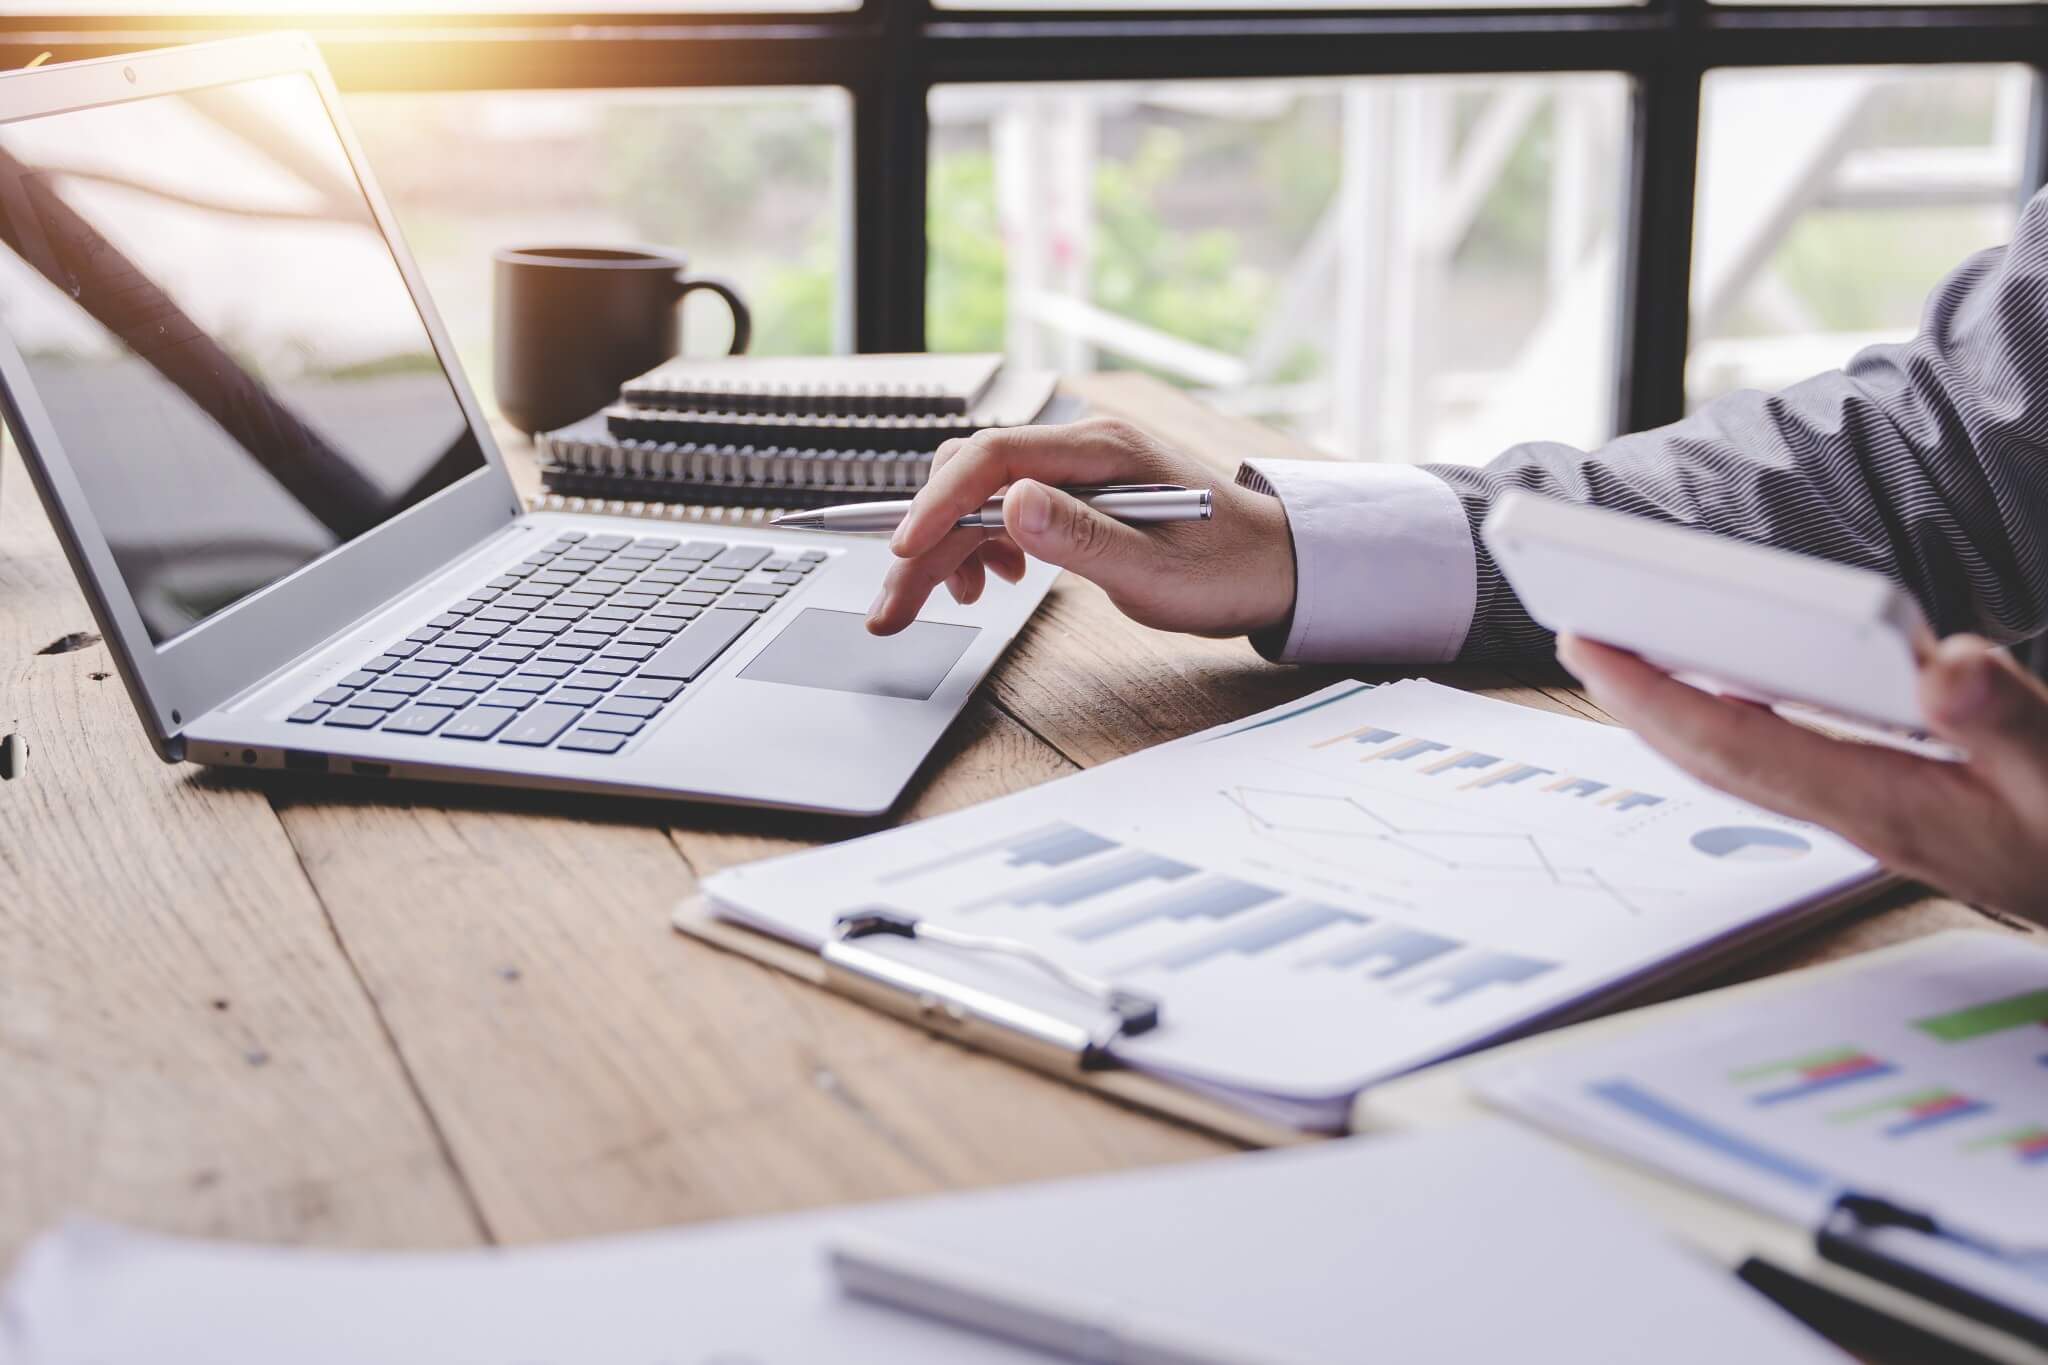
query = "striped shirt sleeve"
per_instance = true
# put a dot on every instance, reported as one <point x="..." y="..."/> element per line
<point x="1926" y="461"/>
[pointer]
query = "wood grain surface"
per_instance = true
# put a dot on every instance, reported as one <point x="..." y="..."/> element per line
<point x="316" y="1011"/>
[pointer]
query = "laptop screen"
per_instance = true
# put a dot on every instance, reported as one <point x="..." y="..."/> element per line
<point x="221" y="337"/>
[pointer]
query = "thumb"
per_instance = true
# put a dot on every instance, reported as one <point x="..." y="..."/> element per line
<point x="1061" y="529"/>
<point x="1979" y="699"/>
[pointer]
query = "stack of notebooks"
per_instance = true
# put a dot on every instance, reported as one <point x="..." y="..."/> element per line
<point x="744" y="433"/>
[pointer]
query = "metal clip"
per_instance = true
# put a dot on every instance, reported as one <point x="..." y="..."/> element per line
<point x="972" y="1013"/>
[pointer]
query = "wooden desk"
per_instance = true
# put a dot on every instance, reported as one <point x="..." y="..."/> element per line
<point x="387" y="1016"/>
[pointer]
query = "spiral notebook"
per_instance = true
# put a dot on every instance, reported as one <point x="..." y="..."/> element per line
<point x="850" y="386"/>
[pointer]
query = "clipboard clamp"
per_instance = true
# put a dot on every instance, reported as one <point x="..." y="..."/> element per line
<point x="974" y="1014"/>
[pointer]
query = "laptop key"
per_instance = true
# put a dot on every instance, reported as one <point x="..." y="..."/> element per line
<point x="612" y="576"/>
<point x="555" y="578"/>
<point x="582" y="640"/>
<point x="656" y="638"/>
<point x="511" y="654"/>
<point x="570" y="537"/>
<point x="468" y="682"/>
<point x="521" y="570"/>
<point x="593" y="742"/>
<point x="617" y="613"/>
<point x="334" y="696"/>
<point x="639" y="600"/>
<point x="383" y="663"/>
<point x="502" y="583"/>
<point x="575" y="696"/>
<point x="511" y="616"/>
<point x="775" y="565"/>
<point x="701" y="549"/>
<point x="445" y="621"/>
<point x="358" y="679"/>
<point x="536" y="625"/>
<point x="539" y="592"/>
<point x="788" y="580"/>
<point x="690" y="653"/>
<point x="618" y="668"/>
<point x="742" y="557"/>
<point x="418" y="668"/>
<point x="721" y="573"/>
<point x="424" y="636"/>
<point x="691" y="597"/>
<point x="606" y="542"/>
<point x="543" y="668"/>
<point x="480" y="722"/>
<point x="522" y="639"/>
<point x="517" y="701"/>
<point x="445" y="696"/>
<point x="380" y="701"/>
<point x="585" y="600"/>
<point x="595" y="626"/>
<point x="666" y="578"/>
<point x="566" y="654"/>
<point x="489" y="630"/>
<point x="490" y="668"/>
<point x="404" y="687"/>
<point x="526" y="682"/>
<point x="468" y="606"/>
<point x="649" y="689"/>
<point x="625" y="651"/>
<point x="811" y="556"/>
<point x="418" y="720"/>
<point x="640" y="708"/>
<point x="463" y="639"/>
<point x="404" y="649"/>
<point x="440" y="654"/>
<point x="593" y="680"/>
<point x="676" y="611"/>
<point x="614" y="725"/>
<point x="308" y="713"/>
<point x="356" y="718"/>
<point x="540" y="727"/>
<point x="746" y="601"/>
<point x="763" y="589"/>
<point x="561" y="611"/>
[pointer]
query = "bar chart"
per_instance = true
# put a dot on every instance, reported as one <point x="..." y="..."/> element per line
<point x="1813" y="1073"/>
<point x="1916" y="1111"/>
<point x="1478" y="769"/>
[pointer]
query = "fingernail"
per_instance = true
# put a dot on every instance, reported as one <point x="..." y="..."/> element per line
<point x="1034" y="508"/>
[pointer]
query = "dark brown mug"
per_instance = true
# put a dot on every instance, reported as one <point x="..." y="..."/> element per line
<point x="572" y="323"/>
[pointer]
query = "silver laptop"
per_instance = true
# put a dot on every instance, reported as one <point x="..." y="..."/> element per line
<point x="300" y="541"/>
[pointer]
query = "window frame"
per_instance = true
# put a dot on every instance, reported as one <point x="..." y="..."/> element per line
<point x="889" y="54"/>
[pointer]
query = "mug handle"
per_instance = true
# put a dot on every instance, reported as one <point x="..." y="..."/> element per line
<point x="742" y="317"/>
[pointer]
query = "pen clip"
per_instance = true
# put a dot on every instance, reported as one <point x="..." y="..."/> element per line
<point x="977" y="1014"/>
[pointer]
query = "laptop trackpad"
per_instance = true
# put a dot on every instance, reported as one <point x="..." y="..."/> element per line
<point x="833" y="649"/>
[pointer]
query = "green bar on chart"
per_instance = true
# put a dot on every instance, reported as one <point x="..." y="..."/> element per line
<point x="1993" y="1016"/>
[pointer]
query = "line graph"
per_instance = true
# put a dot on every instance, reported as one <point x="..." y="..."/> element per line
<point x="1336" y="829"/>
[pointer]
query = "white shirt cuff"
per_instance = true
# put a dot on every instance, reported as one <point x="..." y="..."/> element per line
<point x="1384" y="568"/>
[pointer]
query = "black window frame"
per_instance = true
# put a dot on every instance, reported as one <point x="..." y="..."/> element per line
<point x="889" y="54"/>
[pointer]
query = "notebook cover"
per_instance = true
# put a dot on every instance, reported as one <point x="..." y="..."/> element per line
<point x="870" y="385"/>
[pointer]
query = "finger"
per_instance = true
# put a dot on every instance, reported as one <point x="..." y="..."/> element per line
<point x="1061" y="529"/>
<point x="983" y="464"/>
<point x="910" y="581"/>
<point x="1004" y="559"/>
<point x="1978" y="699"/>
<point x="966" y="582"/>
<point x="1880" y="799"/>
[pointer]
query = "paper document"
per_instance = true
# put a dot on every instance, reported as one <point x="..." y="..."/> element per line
<point x="1365" y="1250"/>
<point x="1336" y="891"/>
<point x="1922" y="1079"/>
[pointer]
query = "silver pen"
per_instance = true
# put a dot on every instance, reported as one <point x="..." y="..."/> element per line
<point x="1131" y="503"/>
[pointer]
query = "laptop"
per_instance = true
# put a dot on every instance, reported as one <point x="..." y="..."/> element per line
<point x="299" y="539"/>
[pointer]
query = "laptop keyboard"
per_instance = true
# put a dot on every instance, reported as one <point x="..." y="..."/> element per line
<point x="577" y="647"/>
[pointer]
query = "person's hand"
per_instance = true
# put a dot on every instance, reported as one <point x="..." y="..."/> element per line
<point x="1977" y="829"/>
<point x="1231" y="575"/>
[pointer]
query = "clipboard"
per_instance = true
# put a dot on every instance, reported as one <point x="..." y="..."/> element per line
<point x="1078" y="1058"/>
<point x="1844" y="1258"/>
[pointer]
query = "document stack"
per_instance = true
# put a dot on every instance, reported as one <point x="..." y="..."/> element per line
<point x="760" y="432"/>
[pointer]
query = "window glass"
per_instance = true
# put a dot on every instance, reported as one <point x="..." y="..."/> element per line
<point x="1397" y="269"/>
<point x="749" y="184"/>
<point x="1832" y="201"/>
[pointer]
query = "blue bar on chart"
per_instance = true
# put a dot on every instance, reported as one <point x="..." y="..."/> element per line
<point x="1124" y="869"/>
<point x="1393" y="947"/>
<point x="1414" y="748"/>
<point x="1261" y="935"/>
<point x="1476" y="972"/>
<point x="1576" y="786"/>
<point x="1217" y="898"/>
<point x="1462" y="761"/>
<point x="1053" y="845"/>
<point x="1624" y="800"/>
<point x="1507" y="777"/>
<point x="1368" y="734"/>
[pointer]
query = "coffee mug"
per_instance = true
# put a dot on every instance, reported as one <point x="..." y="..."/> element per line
<point x="574" y="323"/>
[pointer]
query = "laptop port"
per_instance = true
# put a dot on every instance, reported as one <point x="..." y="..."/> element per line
<point x="298" y="761"/>
<point x="370" y="769"/>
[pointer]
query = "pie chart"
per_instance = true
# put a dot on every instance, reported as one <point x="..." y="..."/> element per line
<point x="1751" y="844"/>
